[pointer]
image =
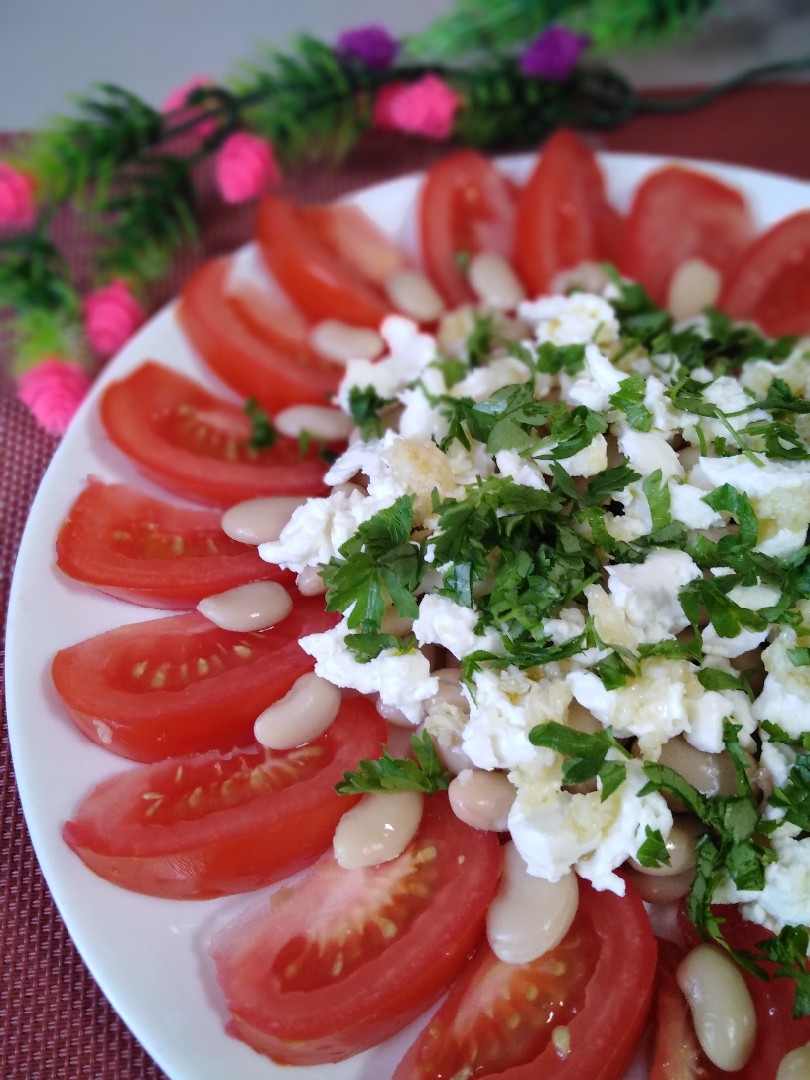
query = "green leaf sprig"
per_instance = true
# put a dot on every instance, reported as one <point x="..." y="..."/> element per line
<point x="424" y="772"/>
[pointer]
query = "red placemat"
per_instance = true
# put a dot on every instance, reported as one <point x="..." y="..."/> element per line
<point x="54" y="1021"/>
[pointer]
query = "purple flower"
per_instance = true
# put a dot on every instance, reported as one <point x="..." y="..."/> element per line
<point x="373" y="45"/>
<point x="554" y="54"/>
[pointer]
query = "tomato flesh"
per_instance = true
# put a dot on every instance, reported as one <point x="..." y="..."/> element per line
<point x="213" y="824"/>
<point x="466" y="206"/>
<point x="679" y="214"/>
<point x="322" y="282"/>
<point x="257" y="347"/>
<point x="563" y="216"/>
<point x="180" y="685"/>
<point x="343" y="959"/>
<point x="146" y="551"/>
<point x="499" y="1018"/>
<point x="198" y="445"/>
<point x="771" y="282"/>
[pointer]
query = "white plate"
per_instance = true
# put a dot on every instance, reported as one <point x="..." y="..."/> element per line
<point x="149" y="955"/>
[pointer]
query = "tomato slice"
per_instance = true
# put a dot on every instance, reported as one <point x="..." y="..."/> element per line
<point x="146" y="551"/>
<point x="677" y="214"/>
<point x="212" y="824"/>
<point x="257" y="346"/>
<point x="466" y="206"/>
<point x="777" y="1032"/>
<point x="342" y="959"/>
<point x="180" y="685"/>
<point x="350" y="233"/>
<point x="499" y="1018"/>
<point x="771" y="282"/>
<point x="196" y="444"/>
<point x="323" y="282"/>
<point x="563" y="215"/>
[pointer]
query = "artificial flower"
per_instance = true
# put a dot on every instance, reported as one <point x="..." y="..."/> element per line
<point x="245" y="167"/>
<point x="373" y="45"/>
<point x="554" y="54"/>
<point x="426" y="107"/>
<point x="111" y="317"/>
<point x="53" y="390"/>
<point x="179" y="97"/>
<point x="16" y="198"/>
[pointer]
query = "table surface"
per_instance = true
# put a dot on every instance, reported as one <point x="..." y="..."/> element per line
<point x="54" y="1022"/>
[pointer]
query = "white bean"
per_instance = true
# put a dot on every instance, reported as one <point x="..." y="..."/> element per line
<point x="529" y="915"/>
<point x="254" y="606"/>
<point x="341" y="342"/>
<point x="795" y="1065"/>
<point x="450" y="691"/>
<point x="494" y="282"/>
<point x="722" y="1010"/>
<point x="319" y="421"/>
<point x="377" y="829"/>
<point x="482" y="799"/>
<point x="303" y="714"/>
<point x="694" y="286"/>
<point x="257" y="521"/>
<point x="414" y="295"/>
<point x="310" y="582"/>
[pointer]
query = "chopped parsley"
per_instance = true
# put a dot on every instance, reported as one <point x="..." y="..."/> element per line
<point x="423" y="772"/>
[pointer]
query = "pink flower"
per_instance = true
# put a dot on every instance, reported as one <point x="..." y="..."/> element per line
<point x="427" y="107"/>
<point x="53" y="391"/>
<point x="177" y="99"/>
<point x="245" y="167"/>
<point x="111" y="317"/>
<point x="16" y="198"/>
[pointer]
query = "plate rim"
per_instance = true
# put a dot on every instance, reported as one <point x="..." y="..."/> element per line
<point x="80" y="440"/>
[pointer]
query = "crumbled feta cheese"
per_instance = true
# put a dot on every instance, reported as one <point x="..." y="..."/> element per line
<point x="556" y="831"/>
<point x="409" y="353"/>
<point x="648" y="451"/>
<point x="506" y="705"/>
<point x="578" y="319"/>
<point x="402" y="680"/>
<point x="443" y="622"/>
<point x="597" y="382"/>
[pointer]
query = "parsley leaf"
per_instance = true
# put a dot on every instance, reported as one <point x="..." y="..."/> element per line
<point x="425" y="773"/>
<point x="378" y="564"/>
<point x="365" y="405"/>
<point x="629" y="398"/>
<point x="653" y="852"/>
<point x="264" y="434"/>
<point x="586" y="754"/>
<point x="553" y="359"/>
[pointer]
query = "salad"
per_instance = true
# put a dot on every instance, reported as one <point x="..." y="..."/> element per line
<point x="593" y="509"/>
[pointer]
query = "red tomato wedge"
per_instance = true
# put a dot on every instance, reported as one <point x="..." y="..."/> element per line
<point x="180" y="685"/>
<point x="499" y="1018"/>
<point x="777" y="1032"/>
<point x="256" y="345"/>
<point x="677" y="214"/>
<point x="466" y="206"/>
<point x="148" y="552"/>
<point x="563" y="215"/>
<point x="771" y="282"/>
<point x="342" y="959"/>
<point x="196" y="444"/>
<point x="349" y="232"/>
<point x="212" y="824"/>
<point x="323" y="282"/>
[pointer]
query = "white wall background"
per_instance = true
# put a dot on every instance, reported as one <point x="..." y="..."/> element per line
<point x="52" y="48"/>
